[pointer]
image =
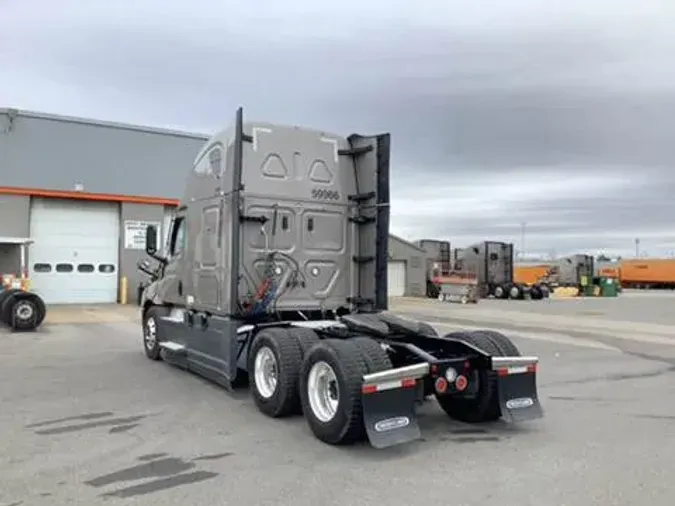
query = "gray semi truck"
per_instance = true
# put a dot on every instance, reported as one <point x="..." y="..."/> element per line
<point x="492" y="263"/>
<point x="572" y="271"/>
<point x="276" y="278"/>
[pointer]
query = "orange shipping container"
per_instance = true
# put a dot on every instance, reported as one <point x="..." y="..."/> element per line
<point x="648" y="271"/>
<point x="529" y="274"/>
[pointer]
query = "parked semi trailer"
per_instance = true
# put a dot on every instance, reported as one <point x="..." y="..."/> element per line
<point x="656" y="273"/>
<point x="280" y="278"/>
<point x="492" y="263"/>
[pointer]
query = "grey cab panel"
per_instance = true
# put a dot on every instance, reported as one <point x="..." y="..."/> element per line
<point x="306" y="208"/>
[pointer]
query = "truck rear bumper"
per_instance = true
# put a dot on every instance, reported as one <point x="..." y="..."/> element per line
<point x="389" y="398"/>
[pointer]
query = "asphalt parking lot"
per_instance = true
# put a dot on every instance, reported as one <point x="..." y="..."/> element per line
<point x="85" y="418"/>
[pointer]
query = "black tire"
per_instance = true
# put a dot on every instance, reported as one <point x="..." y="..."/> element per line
<point x="484" y="405"/>
<point x="515" y="292"/>
<point x="372" y="353"/>
<point x="505" y="345"/>
<point x="283" y="399"/>
<point x="5" y="314"/>
<point x="499" y="292"/>
<point x="306" y="338"/>
<point x="536" y="292"/>
<point x="347" y="362"/>
<point x="23" y="310"/>
<point x="150" y="342"/>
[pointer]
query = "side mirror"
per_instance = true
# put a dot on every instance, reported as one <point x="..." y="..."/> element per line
<point x="151" y="240"/>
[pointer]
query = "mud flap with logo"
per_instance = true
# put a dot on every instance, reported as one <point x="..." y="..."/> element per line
<point x="517" y="388"/>
<point x="389" y="416"/>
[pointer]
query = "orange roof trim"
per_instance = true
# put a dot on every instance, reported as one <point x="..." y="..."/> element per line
<point x="77" y="195"/>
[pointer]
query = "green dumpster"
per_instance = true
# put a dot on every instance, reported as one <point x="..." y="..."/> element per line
<point x="609" y="287"/>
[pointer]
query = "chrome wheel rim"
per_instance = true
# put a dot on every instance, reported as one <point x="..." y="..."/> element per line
<point x="265" y="372"/>
<point x="323" y="391"/>
<point x="150" y="333"/>
<point x="24" y="311"/>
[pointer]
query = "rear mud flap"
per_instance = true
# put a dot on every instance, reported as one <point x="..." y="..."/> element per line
<point x="390" y="418"/>
<point x="518" y="399"/>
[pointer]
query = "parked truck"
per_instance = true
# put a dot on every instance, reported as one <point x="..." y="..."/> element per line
<point x="572" y="271"/>
<point x="439" y="263"/>
<point x="276" y="276"/>
<point x="492" y="263"/>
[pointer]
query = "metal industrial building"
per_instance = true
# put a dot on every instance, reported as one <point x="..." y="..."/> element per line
<point x="83" y="191"/>
<point x="406" y="268"/>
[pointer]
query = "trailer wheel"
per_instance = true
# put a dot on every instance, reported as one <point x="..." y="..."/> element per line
<point x="274" y="365"/>
<point x="330" y="391"/>
<point x="499" y="292"/>
<point x="150" y="342"/>
<point x="373" y="354"/>
<point x="483" y="404"/>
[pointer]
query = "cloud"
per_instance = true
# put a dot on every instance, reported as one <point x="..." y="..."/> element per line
<point x="554" y="114"/>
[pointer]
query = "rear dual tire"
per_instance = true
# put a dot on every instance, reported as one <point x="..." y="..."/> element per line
<point x="483" y="404"/>
<point x="320" y="378"/>
<point x="348" y="360"/>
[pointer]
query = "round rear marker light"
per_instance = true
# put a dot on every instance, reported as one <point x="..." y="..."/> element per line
<point x="441" y="385"/>
<point x="461" y="383"/>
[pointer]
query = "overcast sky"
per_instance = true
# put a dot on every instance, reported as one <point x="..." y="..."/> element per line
<point x="556" y="114"/>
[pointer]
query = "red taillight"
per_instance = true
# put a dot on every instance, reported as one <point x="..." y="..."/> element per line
<point x="441" y="385"/>
<point x="369" y="389"/>
<point x="461" y="383"/>
<point x="408" y="382"/>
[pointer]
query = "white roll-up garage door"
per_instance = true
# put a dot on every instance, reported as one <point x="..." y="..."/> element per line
<point x="396" y="278"/>
<point x="75" y="254"/>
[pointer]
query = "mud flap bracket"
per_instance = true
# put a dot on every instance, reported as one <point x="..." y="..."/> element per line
<point x="517" y="388"/>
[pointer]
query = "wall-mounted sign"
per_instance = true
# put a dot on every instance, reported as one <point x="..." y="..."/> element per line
<point x="134" y="233"/>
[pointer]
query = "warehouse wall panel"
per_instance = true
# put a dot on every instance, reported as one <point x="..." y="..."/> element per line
<point x="14" y="216"/>
<point x="61" y="153"/>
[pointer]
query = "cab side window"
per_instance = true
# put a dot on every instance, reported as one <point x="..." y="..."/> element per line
<point x="178" y="237"/>
<point x="211" y="163"/>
